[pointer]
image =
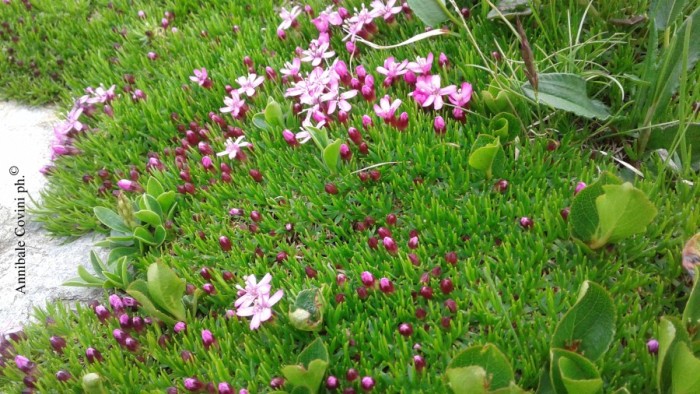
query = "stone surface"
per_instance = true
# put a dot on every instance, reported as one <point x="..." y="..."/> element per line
<point x="26" y="133"/>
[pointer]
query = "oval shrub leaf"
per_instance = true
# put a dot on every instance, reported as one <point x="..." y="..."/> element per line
<point x="154" y="188"/>
<point x="573" y="373"/>
<point x="588" y="327"/>
<point x="166" y="289"/>
<point x="467" y="380"/>
<point x="149" y="217"/>
<point x="566" y="92"/>
<point x="331" y="155"/>
<point x="487" y="155"/>
<point x="623" y="211"/>
<point x="491" y="359"/>
<point x="431" y="12"/>
<point x="110" y="219"/>
<point x="583" y="219"/>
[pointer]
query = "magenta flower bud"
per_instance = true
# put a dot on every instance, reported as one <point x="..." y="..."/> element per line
<point x="152" y="55"/>
<point x="373" y="242"/>
<point x="281" y="34"/>
<point x="340" y="279"/>
<point x="653" y="346"/>
<point x="277" y="382"/>
<point x="101" y="312"/>
<point x="281" y="256"/>
<point x="414" y="259"/>
<point x="138" y="95"/>
<point x="129" y="185"/>
<point x="446" y="286"/>
<point x="367" y="383"/>
<point x="418" y="362"/>
<point x="57" y="343"/>
<point x="386" y="286"/>
<point x="289" y="138"/>
<point x="355" y="84"/>
<point x="256" y="175"/>
<point x="331" y="188"/>
<point x="579" y="186"/>
<point x="410" y="78"/>
<point x="345" y="152"/>
<point x="402" y="122"/>
<point x="23" y="364"/>
<point x="137" y="322"/>
<point x="565" y="213"/>
<point x="205" y="149"/>
<point x="124" y="321"/>
<point x="208" y="288"/>
<point x="459" y="114"/>
<point x="131" y="344"/>
<point x="352" y="374"/>
<point x="205" y="272"/>
<point x="120" y="335"/>
<point x="180" y="327"/>
<point x="93" y="355"/>
<point x="270" y="73"/>
<point x="526" y="222"/>
<point x="354" y="135"/>
<point x="352" y="48"/>
<point x="129" y="302"/>
<point x="439" y="125"/>
<point x="451" y="258"/>
<point x="193" y="384"/>
<point x="63" y="376"/>
<point x="367" y="279"/>
<point x="391" y="219"/>
<point x="207" y="163"/>
<point x="235" y="212"/>
<point x="207" y="338"/>
<point x="255" y="216"/>
<point x="426" y="292"/>
<point x="164" y="23"/>
<point x="368" y="93"/>
<point x="225" y="388"/>
<point x="413" y="243"/>
<point x="501" y="186"/>
<point x="405" y="329"/>
<point x="443" y="61"/>
<point x="390" y="245"/>
<point x="451" y="305"/>
<point x="369" y="81"/>
<point x="116" y="303"/>
<point x="225" y="243"/>
<point x="332" y="383"/>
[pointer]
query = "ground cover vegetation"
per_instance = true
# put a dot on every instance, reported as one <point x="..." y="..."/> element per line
<point x="293" y="203"/>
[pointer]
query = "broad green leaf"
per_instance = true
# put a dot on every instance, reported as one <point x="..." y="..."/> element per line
<point x="665" y="12"/>
<point x="666" y="77"/>
<point x="166" y="289"/>
<point x="88" y="277"/>
<point x="259" y="121"/>
<point x="573" y="373"/>
<point x="154" y="188"/>
<point x="307" y="312"/>
<point x="166" y="200"/>
<point x="274" y="116"/>
<point x="120" y="252"/>
<point x="510" y="9"/>
<point x="310" y="378"/>
<point x="159" y="234"/>
<point x="467" y="380"/>
<point x="583" y="218"/>
<point x="691" y="313"/>
<point x="504" y="125"/>
<point x="149" y="217"/>
<point x="487" y="155"/>
<point x="663" y="138"/>
<point x="144" y="235"/>
<point x="139" y="290"/>
<point x="545" y="382"/>
<point x="512" y="389"/>
<point x="671" y="333"/>
<point x="319" y="136"/>
<point x="491" y="359"/>
<point x="431" y="12"/>
<point x="623" y="210"/>
<point x="301" y="390"/>
<point x="97" y="263"/>
<point x="685" y="371"/>
<point x="331" y="155"/>
<point x="589" y="326"/>
<point x="110" y="219"/>
<point x="152" y="204"/>
<point x="316" y="350"/>
<point x="496" y="101"/>
<point x="568" y="93"/>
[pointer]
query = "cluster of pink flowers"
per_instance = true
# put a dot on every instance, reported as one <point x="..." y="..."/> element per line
<point x="66" y="131"/>
<point x="255" y="300"/>
<point x="235" y="104"/>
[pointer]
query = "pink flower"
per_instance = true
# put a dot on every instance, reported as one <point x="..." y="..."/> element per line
<point x="462" y="96"/>
<point x="200" y="76"/>
<point x="303" y="136"/>
<point x="233" y="149"/>
<point x="289" y="18"/>
<point x="340" y="100"/>
<point x="421" y="66"/>
<point x="261" y="310"/>
<point x="252" y="290"/>
<point x="358" y="22"/>
<point x="386" y="109"/>
<point x="428" y="91"/>
<point x="316" y="53"/>
<point x="234" y="104"/>
<point x="101" y="95"/>
<point x="249" y="83"/>
<point x="292" y="69"/>
<point x="392" y="69"/>
<point x="386" y="11"/>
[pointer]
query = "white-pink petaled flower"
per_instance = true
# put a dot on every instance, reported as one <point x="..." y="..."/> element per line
<point x="334" y="99"/>
<point x="233" y="148"/>
<point x="302" y="137"/>
<point x="249" y="83"/>
<point x="355" y="24"/>
<point x="462" y="96"/>
<point x="428" y="91"/>
<point x="316" y="53"/>
<point x="386" y="11"/>
<point x="101" y="95"/>
<point x="234" y="104"/>
<point x="291" y="69"/>
<point x="392" y="69"/>
<point x="289" y="18"/>
<point x="253" y="289"/>
<point x="261" y="310"/>
<point x="421" y="66"/>
<point x="386" y="109"/>
<point x="200" y="76"/>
